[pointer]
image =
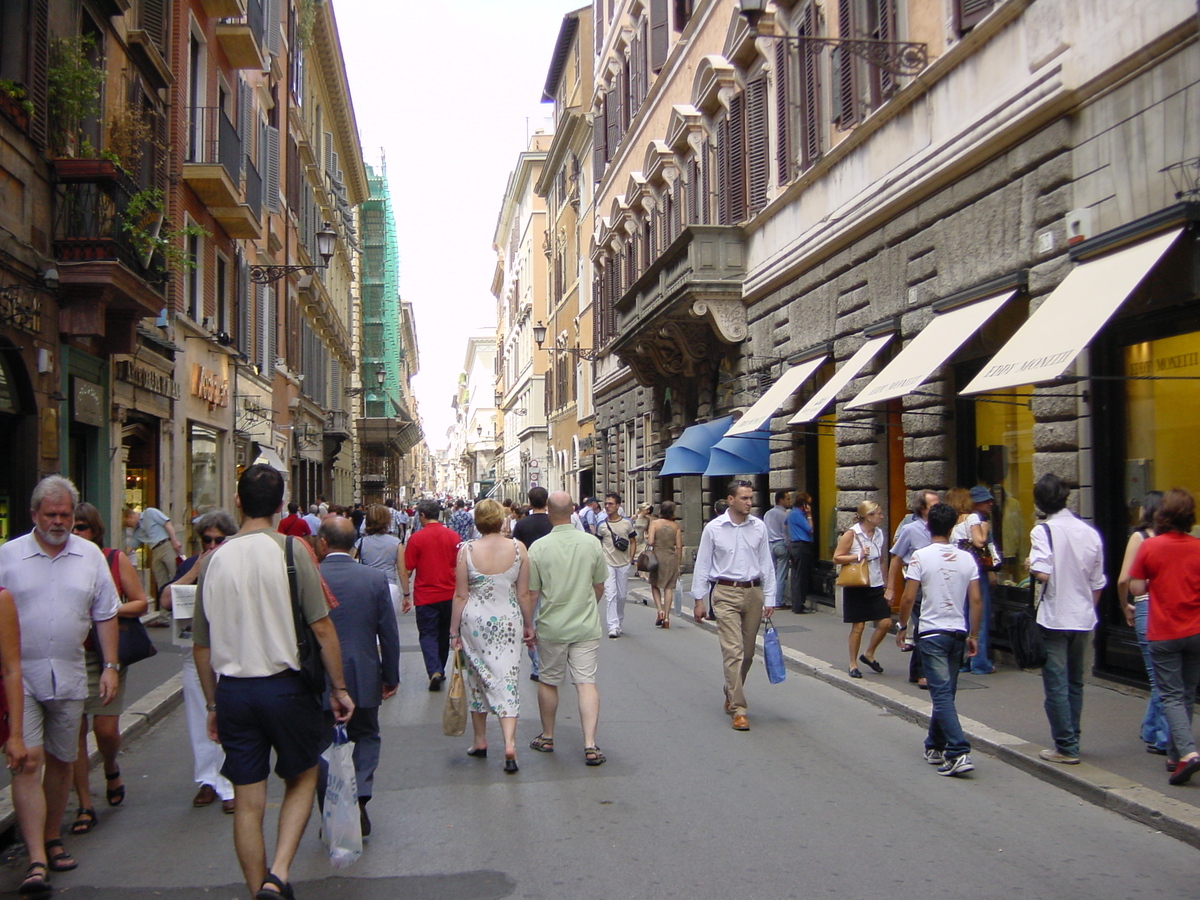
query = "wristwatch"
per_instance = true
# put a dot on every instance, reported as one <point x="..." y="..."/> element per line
<point x="116" y="666"/>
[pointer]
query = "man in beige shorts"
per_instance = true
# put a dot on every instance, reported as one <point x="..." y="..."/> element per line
<point x="567" y="571"/>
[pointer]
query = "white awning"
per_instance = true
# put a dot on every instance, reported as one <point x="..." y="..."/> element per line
<point x="1069" y="318"/>
<point x="932" y="346"/>
<point x="822" y="398"/>
<point x="268" y="456"/>
<point x="768" y="404"/>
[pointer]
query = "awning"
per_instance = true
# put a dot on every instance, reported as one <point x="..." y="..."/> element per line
<point x="1069" y="318"/>
<point x="745" y="454"/>
<point x="768" y="404"/>
<point x="689" y="454"/>
<point x="653" y="466"/>
<point x="268" y="456"/>
<point x="932" y="346"/>
<point x="822" y="398"/>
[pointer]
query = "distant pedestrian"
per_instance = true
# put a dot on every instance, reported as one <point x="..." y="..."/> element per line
<point x="909" y="539"/>
<point x="801" y="556"/>
<point x="293" y="523"/>
<point x="1066" y="556"/>
<point x="462" y="522"/>
<point x="537" y="523"/>
<point x="432" y="554"/>
<point x="948" y="579"/>
<point x="402" y="520"/>
<point x="775" y="519"/>
<point x="619" y="541"/>
<point x="566" y="580"/>
<point x="243" y="631"/>
<point x="860" y="605"/>
<point x="734" y="562"/>
<point x="312" y="520"/>
<point x="367" y="632"/>
<point x="61" y="585"/>
<point x="665" y="540"/>
<point x="383" y="551"/>
<point x="155" y="529"/>
<point x="323" y="508"/>
<point x="1167" y="566"/>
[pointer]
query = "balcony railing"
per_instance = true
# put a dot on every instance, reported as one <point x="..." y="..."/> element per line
<point x="254" y="189"/>
<point x="214" y="139"/>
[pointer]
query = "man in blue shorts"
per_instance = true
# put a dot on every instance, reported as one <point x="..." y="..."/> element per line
<point x="243" y="631"/>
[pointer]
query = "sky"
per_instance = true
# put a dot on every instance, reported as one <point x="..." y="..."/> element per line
<point x="447" y="95"/>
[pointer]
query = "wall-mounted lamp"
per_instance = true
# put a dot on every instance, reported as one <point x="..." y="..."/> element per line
<point x="326" y="238"/>
<point x="539" y="338"/>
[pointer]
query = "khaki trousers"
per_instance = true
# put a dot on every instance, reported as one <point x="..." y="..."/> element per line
<point x="162" y="565"/>
<point x="739" y="613"/>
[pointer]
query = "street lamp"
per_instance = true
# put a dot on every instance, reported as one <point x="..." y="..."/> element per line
<point x="539" y="338"/>
<point x="896" y="57"/>
<point x="326" y="238"/>
<point x="380" y="376"/>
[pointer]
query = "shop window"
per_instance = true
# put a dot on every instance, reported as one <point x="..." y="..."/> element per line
<point x="204" y="470"/>
<point x="825" y="518"/>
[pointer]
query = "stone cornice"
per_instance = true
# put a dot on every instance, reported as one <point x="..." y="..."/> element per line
<point x="333" y="73"/>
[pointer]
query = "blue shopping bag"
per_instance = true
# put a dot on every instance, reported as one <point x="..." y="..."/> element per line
<point x="773" y="655"/>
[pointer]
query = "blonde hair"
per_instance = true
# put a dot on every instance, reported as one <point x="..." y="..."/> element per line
<point x="960" y="499"/>
<point x="866" y="508"/>
<point x="489" y="516"/>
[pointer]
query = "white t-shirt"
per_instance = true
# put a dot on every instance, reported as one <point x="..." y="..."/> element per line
<point x="944" y="572"/>
<point x="962" y="531"/>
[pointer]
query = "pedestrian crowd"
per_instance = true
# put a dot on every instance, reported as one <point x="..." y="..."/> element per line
<point x="292" y="623"/>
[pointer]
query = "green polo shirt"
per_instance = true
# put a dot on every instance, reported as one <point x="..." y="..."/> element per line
<point x="564" y="566"/>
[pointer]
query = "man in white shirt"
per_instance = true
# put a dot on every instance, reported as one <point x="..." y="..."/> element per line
<point x="734" y="562"/>
<point x="60" y="584"/>
<point x="775" y="519"/>
<point x="611" y="530"/>
<point x="1066" y="556"/>
<point x="312" y="520"/>
<point x="948" y="580"/>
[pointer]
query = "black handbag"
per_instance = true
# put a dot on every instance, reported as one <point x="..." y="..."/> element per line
<point x="1024" y="633"/>
<point x="133" y="641"/>
<point x="312" y="669"/>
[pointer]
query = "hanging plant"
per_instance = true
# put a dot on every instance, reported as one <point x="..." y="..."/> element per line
<point x="144" y="217"/>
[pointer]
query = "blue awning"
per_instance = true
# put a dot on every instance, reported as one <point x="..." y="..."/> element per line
<point x="689" y="454"/>
<point x="742" y="454"/>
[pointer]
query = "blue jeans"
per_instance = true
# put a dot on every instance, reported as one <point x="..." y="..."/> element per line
<point x="1062" y="682"/>
<point x="980" y="664"/>
<point x="941" y="658"/>
<point x="1155" y="730"/>
<point x="1177" y="670"/>
<point x="433" y="630"/>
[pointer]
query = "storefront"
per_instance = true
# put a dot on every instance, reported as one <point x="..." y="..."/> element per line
<point x="85" y="437"/>
<point x="144" y="396"/>
<point x="207" y="428"/>
<point x="19" y="425"/>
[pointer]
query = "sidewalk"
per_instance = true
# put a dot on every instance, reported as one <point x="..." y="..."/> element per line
<point x="1002" y="714"/>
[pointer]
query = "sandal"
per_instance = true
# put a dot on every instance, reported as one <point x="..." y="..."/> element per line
<point x="593" y="757"/>
<point x="59" y="862"/>
<point x="285" y="890"/>
<point x="542" y="744"/>
<point x="85" y="820"/>
<point x="36" y="882"/>
<point x="115" y="795"/>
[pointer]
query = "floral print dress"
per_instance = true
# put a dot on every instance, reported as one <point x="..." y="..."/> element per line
<point x="491" y="631"/>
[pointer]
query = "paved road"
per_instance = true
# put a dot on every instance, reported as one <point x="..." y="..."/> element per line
<point x="827" y="795"/>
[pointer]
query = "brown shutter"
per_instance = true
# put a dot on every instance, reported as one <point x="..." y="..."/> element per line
<point x="613" y="117"/>
<point x="721" y="182"/>
<point x="676" y="211"/>
<point x="735" y="159"/>
<point x="885" y="27"/>
<point x="783" y="113"/>
<point x="660" y="34"/>
<point x="635" y="74"/>
<point x="968" y="13"/>
<point x="810" y="97"/>
<point x="39" y="65"/>
<point x="693" y="191"/>
<point x="153" y="21"/>
<point x="599" y="141"/>
<point x="845" y="108"/>
<point x="758" y="155"/>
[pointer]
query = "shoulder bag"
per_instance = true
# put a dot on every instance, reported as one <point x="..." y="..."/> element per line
<point x="855" y="574"/>
<point x="308" y="648"/>
<point x="1024" y="635"/>
<point x="133" y="640"/>
<point x="620" y="544"/>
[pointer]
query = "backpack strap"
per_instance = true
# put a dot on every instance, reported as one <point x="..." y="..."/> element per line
<point x="1038" y="598"/>
<point x="114" y="567"/>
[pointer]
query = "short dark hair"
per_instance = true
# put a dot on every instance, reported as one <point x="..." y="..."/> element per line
<point x="261" y="491"/>
<point x="429" y="509"/>
<point x="1150" y="505"/>
<point x="1050" y="494"/>
<point x="779" y="495"/>
<point x="293" y="506"/>
<point x="537" y="497"/>
<point x="614" y="495"/>
<point x="458" y="504"/>
<point x="736" y="485"/>
<point x="918" y="500"/>
<point x="942" y="519"/>
<point x="1176" y="512"/>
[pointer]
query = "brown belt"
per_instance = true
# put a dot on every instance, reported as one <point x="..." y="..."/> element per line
<point x="725" y="582"/>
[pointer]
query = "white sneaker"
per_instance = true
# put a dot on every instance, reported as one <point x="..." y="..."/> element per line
<point x="934" y="757"/>
<point x="614" y="633"/>
<point x="956" y="765"/>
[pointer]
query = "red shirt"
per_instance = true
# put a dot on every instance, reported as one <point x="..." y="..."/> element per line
<point x="1171" y="564"/>
<point x="432" y="552"/>
<point x="293" y="524"/>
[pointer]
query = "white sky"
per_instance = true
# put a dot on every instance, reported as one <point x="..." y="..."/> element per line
<point x="449" y="94"/>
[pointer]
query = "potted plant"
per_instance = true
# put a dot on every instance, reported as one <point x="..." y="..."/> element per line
<point x="143" y="219"/>
<point x="15" y="103"/>
<point x="73" y="98"/>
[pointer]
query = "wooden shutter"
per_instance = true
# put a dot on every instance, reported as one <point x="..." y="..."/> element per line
<point x="245" y="310"/>
<point x="293" y="176"/>
<point x="845" y="107"/>
<point x="153" y="19"/>
<point x="885" y="30"/>
<point x="613" y="117"/>
<point x="735" y="159"/>
<point x="968" y="13"/>
<point x="272" y="25"/>
<point x="676" y="210"/>
<point x="783" y="113"/>
<point x="329" y="166"/>
<point x="660" y="34"/>
<point x="39" y="66"/>
<point x="810" y="96"/>
<point x="758" y="155"/>
<point x="599" y="140"/>
<point x="693" y="191"/>
<point x="637" y="62"/>
<point x="721" y="182"/>
<point x="271" y="169"/>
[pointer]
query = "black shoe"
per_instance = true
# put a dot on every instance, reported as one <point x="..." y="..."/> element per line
<point x="363" y="819"/>
<point x="533" y="677"/>
<point x="435" y="681"/>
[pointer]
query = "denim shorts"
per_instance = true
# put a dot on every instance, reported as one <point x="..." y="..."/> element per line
<point x="258" y="715"/>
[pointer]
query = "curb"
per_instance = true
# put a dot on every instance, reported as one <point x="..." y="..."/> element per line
<point x="135" y="721"/>
<point x="1100" y="787"/>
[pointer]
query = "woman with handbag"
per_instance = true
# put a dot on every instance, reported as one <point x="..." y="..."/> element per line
<point x="665" y="543"/>
<point x="973" y="533"/>
<point x="105" y="719"/>
<point x="383" y="551"/>
<point x="860" y="553"/>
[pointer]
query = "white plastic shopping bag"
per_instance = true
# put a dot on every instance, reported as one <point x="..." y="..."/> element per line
<point x="341" y="828"/>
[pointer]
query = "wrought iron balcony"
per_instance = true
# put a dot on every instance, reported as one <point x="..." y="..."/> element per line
<point x="242" y="38"/>
<point x="213" y="169"/>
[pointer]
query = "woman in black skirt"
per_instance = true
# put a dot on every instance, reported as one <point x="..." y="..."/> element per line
<point x="860" y="605"/>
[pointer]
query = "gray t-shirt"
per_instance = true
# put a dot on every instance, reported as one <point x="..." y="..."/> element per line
<point x="379" y="552"/>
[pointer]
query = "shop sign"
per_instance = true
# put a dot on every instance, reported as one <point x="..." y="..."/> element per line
<point x="209" y="386"/>
<point x="147" y="379"/>
<point x="88" y="402"/>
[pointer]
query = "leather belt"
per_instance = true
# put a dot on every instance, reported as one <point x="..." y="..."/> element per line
<point x="159" y="544"/>
<point x="726" y="582"/>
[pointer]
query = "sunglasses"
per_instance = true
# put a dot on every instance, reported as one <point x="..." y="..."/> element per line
<point x="81" y="526"/>
<point x="206" y="540"/>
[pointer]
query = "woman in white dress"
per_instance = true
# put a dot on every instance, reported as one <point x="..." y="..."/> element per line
<point x="487" y="622"/>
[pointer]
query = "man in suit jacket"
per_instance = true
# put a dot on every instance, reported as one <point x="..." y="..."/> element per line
<point x="366" y="627"/>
